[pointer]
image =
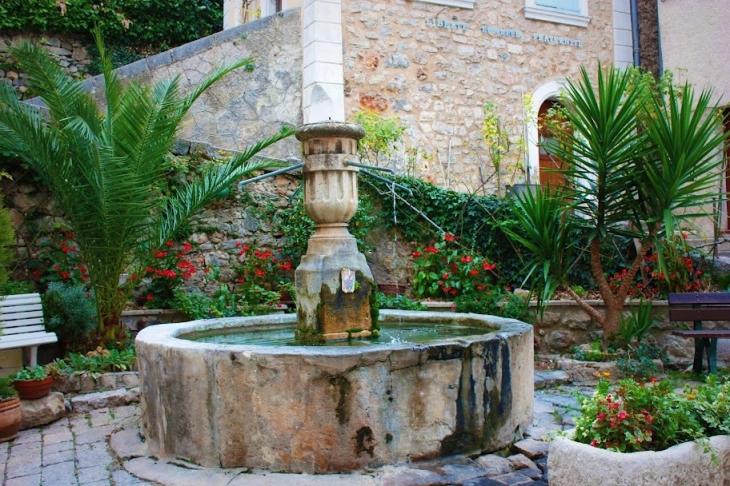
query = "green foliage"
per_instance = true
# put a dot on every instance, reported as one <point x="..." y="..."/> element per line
<point x="15" y="287"/>
<point x="382" y="136"/>
<point x="6" y="389"/>
<point x="636" y="417"/>
<point x="167" y="271"/>
<point x="30" y="373"/>
<point x="515" y="306"/>
<point x="634" y="152"/>
<point x="298" y="227"/>
<point x="105" y="165"/>
<point x="70" y="312"/>
<point x="138" y="27"/>
<point x="7" y="238"/>
<point x="98" y="361"/>
<point x="401" y="302"/>
<point x="594" y="352"/>
<point x="637" y="324"/>
<point x="639" y="361"/>
<point x="59" y="260"/>
<point x="445" y="270"/>
<point x="431" y="212"/>
<point x="480" y="303"/>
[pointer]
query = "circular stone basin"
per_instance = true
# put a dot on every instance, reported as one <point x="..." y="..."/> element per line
<point x="330" y="408"/>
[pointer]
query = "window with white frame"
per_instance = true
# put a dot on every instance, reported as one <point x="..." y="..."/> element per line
<point x="453" y="3"/>
<point x="571" y="12"/>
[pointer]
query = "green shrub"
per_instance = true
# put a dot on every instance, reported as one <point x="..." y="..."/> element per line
<point x="33" y="373"/>
<point x="138" y="27"/>
<point x="636" y="416"/>
<point x="6" y="389"/>
<point x="70" y="312"/>
<point x="7" y="238"/>
<point x="398" y="302"/>
<point x="15" y="287"/>
<point x="98" y="361"/>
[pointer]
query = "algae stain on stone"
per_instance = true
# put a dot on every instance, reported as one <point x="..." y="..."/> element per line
<point x="342" y="389"/>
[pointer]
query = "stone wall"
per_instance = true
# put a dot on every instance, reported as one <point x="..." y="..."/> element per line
<point x="71" y="52"/>
<point x="565" y="325"/>
<point x="436" y="77"/>
<point x="243" y="107"/>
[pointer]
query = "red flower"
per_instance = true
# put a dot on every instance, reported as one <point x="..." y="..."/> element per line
<point x="417" y="253"/>
<point x="449" y="237"/>
<point x="285" y="266"/>
<point x="622" y="415"/>
<point x="150" y="296"/>
<point x="594" y="443"/>
<point x="187" y="247"/>
<point x="260" y="273"/>
<point x="238" y="244"/>
<point x="65" y="275"/>
<point x="445" y="276"/>
<point x="473" y="272"/>
<point x="431" y="249"/>
<point x="488" y="267"/>
<point x="161" y="254"/>
<point x="170" y="244"/>
<point x="601" y="416"/>
<point x="466" y="259"/>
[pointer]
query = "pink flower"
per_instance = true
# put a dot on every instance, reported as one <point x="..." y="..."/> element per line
<point x="622" y="415"/>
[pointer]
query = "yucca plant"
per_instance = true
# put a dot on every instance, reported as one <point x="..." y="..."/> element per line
<point x="105" y="164"/>
<point x="639" y="157"/>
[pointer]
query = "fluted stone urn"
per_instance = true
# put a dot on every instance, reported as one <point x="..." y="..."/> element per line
<point x="334" y="283"/>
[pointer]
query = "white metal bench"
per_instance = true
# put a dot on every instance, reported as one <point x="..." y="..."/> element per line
<point x="21" y="320"/>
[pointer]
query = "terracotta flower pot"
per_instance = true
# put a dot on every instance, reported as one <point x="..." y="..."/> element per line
<point x="32" y="389"/>
<point x="10" y="417"/>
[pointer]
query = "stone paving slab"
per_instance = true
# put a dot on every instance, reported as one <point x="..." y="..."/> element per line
<point x="103" y="446"/>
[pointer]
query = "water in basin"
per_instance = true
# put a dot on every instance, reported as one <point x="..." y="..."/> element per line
<point x="394" y="333"/>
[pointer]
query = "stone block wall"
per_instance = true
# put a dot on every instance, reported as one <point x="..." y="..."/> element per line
<point x="564" y="325"/>
<point x="71" y="52"/>
<point x="435" y="67"/>
<point x="243" y="107"/>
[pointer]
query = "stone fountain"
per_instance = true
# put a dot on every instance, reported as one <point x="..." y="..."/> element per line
<point x="319" y="409"/>
<point x="334" y="283"/>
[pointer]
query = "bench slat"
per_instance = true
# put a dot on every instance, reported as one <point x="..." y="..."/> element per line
<point x="8" y="299"/>
<point x="699" y="298"/>
<point x="7" y="312"/>
<point x="702" y="314"/>
<point x="30" y="339"/>
<point x="22" y="322"/>
<point x="8" y="331"/>
<point x="37" y="314"/>
<point x="709" y="334"/>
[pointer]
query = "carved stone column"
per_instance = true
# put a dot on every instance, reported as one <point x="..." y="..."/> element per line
<point x="334" y="284"/>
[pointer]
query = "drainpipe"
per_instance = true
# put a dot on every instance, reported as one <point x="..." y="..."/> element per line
<point x="635" y="32"/>
<point x="659" y="44"/>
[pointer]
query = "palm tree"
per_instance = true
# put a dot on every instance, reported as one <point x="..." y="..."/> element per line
<point x="641" y="157"/>
<point x="105" y="164"/>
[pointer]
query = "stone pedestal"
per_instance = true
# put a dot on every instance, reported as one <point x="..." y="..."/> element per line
<point x="334" y="283"/>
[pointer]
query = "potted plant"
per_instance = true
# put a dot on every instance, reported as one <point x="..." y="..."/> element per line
<point x="10" y="411"/>
<point x="647" y="433"/>
<point x="32" y="382"/>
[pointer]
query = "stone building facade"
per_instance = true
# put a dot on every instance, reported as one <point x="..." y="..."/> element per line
<point x="434" y="66"/>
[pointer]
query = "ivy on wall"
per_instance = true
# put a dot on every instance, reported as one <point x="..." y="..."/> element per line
<point x="141" y="27"/>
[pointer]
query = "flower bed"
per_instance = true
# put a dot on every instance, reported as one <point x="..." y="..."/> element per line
<point x="571" y="463"/>
<point x="647" y="433"/>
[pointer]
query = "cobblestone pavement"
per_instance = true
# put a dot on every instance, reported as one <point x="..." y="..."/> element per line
<point x="99" y="447"/>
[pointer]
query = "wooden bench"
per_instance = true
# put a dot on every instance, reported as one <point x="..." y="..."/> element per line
<point x="698" y="307"/>
<point x="21" y="320"/>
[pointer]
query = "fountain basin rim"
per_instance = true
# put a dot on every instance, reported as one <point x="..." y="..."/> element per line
<point x="169" y="335"/>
